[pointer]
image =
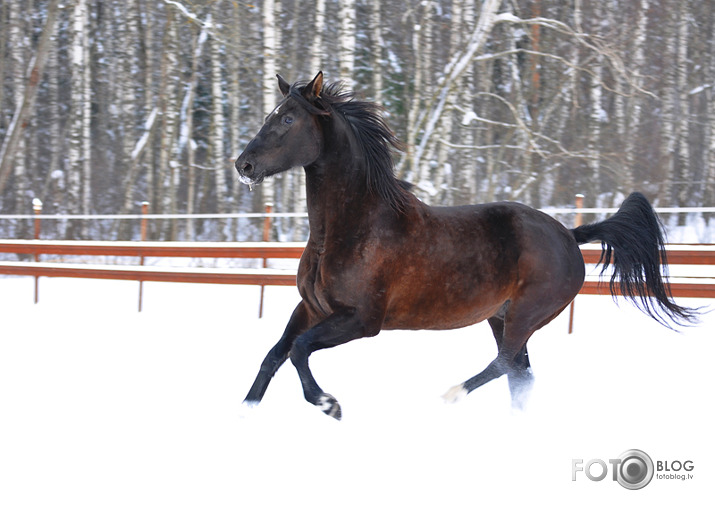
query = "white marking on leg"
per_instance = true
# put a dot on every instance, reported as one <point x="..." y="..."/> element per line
<point x="247" y="409"/>
<point x="455" y="394"/>
<point x="329" y="406"/>
<point x="325" y="403"/>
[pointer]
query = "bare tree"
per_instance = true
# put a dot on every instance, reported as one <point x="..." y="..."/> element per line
<point x="596" y="112"/>
<point x="167" y="172"/>
<point x="186" y="140"/>
<point x="347" y="41"/>
<point x="378" y="46"/>
<point x="523" y="100"/>
<point x="25" y="91"/>
<point x="269" y="78"/>
<point x="316" y="47"/>
<point x="218" y="125"/>
<point x="79" y="183"/>
<point x="452" y="72"/>
<point x="681" y="151"/>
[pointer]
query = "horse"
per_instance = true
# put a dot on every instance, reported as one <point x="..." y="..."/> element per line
<point x="378" y="258"/>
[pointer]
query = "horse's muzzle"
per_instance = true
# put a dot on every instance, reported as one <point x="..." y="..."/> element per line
<point x="247" y="172"/>
<point x="244" y="167"/>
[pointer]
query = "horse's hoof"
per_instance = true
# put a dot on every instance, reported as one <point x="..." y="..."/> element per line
<point x="455" y="394"/>
<point x="247" y="409"/>
<point x="520" y="400"/>
<point x="329" y="406"/>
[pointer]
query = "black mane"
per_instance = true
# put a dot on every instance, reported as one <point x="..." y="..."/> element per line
<point x="374" y="136"/>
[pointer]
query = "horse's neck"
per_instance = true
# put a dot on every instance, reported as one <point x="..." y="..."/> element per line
<point x="338" y="202"/>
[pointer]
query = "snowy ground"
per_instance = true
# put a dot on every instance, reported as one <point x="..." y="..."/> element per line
<point x="104" y="408"/>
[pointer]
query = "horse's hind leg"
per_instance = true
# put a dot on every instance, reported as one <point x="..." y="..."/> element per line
<point x="496" y="368"/>
<point x="521" y="377"/>
<point x="297" y="324"/>
<point x="512" y="330"/>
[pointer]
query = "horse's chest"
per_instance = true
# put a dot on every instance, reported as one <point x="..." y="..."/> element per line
<point x="312" y="283"/>
<point x="327" y="282"/>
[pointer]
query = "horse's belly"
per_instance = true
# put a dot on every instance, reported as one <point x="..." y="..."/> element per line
<point x="437" y="316"/>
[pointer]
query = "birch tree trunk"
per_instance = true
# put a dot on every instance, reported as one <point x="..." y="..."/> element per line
<point x="409" y="164"/>
<point x="620" y="130"/>
<point x="54" y="180"/>
<point x="465" y="178"/>
<point x="79" y="165"/>
<point x="14" y="146"/>
<point x="635" y="109"/>
<point x="150" y="100"/>
<point x="455" y="68"/>
<point x="709" y="157"/>
<point x="681" y="154"/>
<point x="317" y="53"/>
<point x="128" y="101"/>
<point x="427" y="164"/>
<point x="187" y="136"/>
<point x="218" y="125"/>
<point x="123" y="228"/>
<point x="347" y="42"/>
<point x="595" y="113"/>
<point x="26" y="83"/>
<point x="4" y="9"/>
<point x="445" y="179"/>
<point x="269" y="86"/>
<point x="535" y="192"/>
<point x="537" y="92"/>
<point x="168" y="165"/>
<point x="18" y="154"/>
<point x="376" y="55"/>
<point x="233" y="86"/>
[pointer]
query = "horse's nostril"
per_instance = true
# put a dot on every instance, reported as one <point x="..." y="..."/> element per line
<point x="246" y="169"/>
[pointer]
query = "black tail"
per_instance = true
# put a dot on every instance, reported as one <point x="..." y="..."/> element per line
<point x="633" y="243"/>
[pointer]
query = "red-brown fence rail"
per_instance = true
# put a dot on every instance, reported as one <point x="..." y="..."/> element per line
<point x="689" y="285"/>
<point x="693" y="284"/>
<point x="141" y="273"/>
<point x="239" y="250"/>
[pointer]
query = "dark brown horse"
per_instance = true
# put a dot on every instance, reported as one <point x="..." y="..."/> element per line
<point x="378" y="258"/>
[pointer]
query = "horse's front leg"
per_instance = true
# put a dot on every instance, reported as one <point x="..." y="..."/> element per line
<point x="298" y="323"/>
<point x="337" y="329"/>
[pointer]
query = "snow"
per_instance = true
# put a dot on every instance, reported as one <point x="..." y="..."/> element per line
<point x="468" y="118"/>
<point x="141" y="143"/>
<point x="428" y="187"/>
<point x="507" y="17"/>
<point x="699" y="89"/>
<point x="102" y="407"/>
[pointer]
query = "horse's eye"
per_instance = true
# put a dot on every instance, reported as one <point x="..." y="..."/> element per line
<point x="287" y="120"/>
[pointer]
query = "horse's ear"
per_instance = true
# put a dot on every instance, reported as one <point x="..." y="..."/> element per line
<point x="283" y="85"/>
<point x="314" y="88"/>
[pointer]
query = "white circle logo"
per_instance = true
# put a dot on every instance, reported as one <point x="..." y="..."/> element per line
<point x="635" y="470"/>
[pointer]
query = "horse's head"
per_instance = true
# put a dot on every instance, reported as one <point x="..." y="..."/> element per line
<point x="289" y="137"/>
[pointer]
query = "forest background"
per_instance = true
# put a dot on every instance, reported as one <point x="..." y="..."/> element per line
<point x="108" y="103"/>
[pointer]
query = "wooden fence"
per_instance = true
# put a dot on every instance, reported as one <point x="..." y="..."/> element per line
<point x="142" y="273"/>
<point x="685" y="260"/>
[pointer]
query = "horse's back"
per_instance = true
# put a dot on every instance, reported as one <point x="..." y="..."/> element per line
<point x="459" y="265"/>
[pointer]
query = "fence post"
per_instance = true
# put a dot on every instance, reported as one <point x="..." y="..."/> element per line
<point x="577" y="221"/>
<point x="37" y="207"/>
<point x="145" y="211"/>
<point x="143" y="230"/>
<point x="266" y="237"/>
